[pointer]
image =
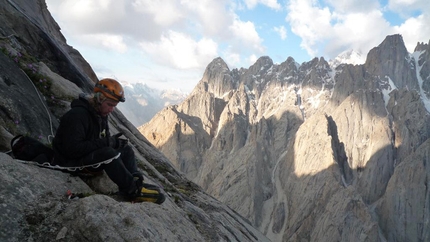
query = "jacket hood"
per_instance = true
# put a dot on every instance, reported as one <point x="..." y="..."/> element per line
<point x="83" y="101"/>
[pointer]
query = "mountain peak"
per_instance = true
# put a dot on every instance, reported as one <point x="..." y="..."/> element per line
<point x="217" y="63"/>
<point x="216" y="79"/>
<point x="348" y="57"/>
<point x="391" y="48"/>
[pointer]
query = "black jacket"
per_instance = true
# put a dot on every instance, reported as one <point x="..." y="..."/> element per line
<point x="81" y="132"/>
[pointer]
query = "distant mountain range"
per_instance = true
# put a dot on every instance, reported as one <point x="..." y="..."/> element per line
<point x="143" y="102"/>
<point x="319" y="151"/>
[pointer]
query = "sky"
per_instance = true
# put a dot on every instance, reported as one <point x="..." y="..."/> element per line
<point x="167" y="44"/>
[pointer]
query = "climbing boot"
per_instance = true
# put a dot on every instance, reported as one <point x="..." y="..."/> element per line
<point x="149" y="193"/>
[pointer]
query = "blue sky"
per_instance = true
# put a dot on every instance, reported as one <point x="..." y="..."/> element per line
<point x="168" y="43"/>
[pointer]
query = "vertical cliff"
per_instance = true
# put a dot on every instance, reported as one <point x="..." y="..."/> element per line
<point x="303" y="149"/>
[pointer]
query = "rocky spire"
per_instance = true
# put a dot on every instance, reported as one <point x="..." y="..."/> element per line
<point x="217" y="79"/>
<point x="391" y="59"/>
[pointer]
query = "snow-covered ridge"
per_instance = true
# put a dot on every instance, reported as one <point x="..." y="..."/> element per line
<point x="348" y="57"/>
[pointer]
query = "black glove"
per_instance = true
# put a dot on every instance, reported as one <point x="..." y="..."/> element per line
<point x="115" y="142"/>
<point x="122" y="143"/>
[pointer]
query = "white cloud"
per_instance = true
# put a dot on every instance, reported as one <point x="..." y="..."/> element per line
<point x="209" y="17"/>
<point x="358" y="31"/>
<point x="112" y="42"/>
<point x="231" y="58"/>
<point x="117" y="17"/>
<point x="252" y="59"/>
<point x="353" y="6"/>
<point x="88" y="16"/>
<point x="328" y="32"/>
<point x="406" y="7"/>
<point x="310" y="23"/>
<point x="282" y="31"/>
<point x="415" y="30"/>
<point x="163" y="12"/>
<point x="416" y="26"/>
<point x="251" y="3"/>
<point x="246" y="36"/>
<point x="181" y="34"/>
<point x="188" y="34"/>
<point x="181" y="51"/>
<point x="269" y="3"/>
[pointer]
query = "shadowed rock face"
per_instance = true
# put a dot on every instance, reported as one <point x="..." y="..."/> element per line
<point x="39" y="76"/>
<point x="308" y="152"/>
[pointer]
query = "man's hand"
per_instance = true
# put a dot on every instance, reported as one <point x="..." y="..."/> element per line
<point x="122" y="143"/>
<point x="116" y="142"/>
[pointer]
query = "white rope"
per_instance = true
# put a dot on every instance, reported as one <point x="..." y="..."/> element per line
<point x="7" y="37"/>
<point x="40" y="98"/>
<point x="43" y="103"/>
<point x="70" y="168"/>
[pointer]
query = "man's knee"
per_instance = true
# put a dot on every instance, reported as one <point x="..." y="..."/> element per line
<point x="103" y="154"/>
<point x="127" y="152"/>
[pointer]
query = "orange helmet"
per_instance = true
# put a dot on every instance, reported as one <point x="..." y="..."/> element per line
<point x="110" y="89"/>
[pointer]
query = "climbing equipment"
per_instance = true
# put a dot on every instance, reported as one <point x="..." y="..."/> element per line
<point x="69" y="168"/>
<point x="110" y="89"/>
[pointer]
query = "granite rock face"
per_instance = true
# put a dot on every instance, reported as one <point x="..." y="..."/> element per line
<point x="302" y="149"/>
<point x="39" y="76"/>
<point x="35" y="207"/>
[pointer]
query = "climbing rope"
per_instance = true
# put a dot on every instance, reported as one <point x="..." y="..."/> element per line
<point x="51" y="136"/>
<point x="46" y="108"/>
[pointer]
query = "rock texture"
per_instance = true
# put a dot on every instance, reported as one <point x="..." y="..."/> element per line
<point x="311" y="152"/>
<point x="39" y="76"/>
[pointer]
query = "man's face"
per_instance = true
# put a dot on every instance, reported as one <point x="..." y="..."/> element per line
<point x="107" y="107"/>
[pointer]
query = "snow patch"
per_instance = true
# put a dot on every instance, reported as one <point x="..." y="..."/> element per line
<point x="386" y="92"/>
<point x="416" y="56"/>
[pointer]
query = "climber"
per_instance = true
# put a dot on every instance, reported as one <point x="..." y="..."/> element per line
<point x="83" y="139"/>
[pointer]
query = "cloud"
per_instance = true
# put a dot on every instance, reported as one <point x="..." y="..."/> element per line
<point x="358" y="31"/>
<point x="172" y="37"/>
<point x="163" y="12"/>
<point x="310" y="23"/>
<point x="282" y="31"/>
<point x="116" y="17"/>
<point x="89" y="16"/>
<point x="325" y="30"/>
<point x="329" y="30"/>
<point x="407" y="8"/>
<point x="246" y="36"/>
<point x="231" y="58"/>
<point x="114" y="42"/>
<point x="416" y="26"/>
<point x="209" y="17"/>
<point x="106" y="41"/>
<point x="181" y="51"/>
<point x="178" y="26"/>
<point x="415" y="30"/>
<point x="273" y="4"/>
<point x="353" y="6"/>
<point x="252" y="59"/>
